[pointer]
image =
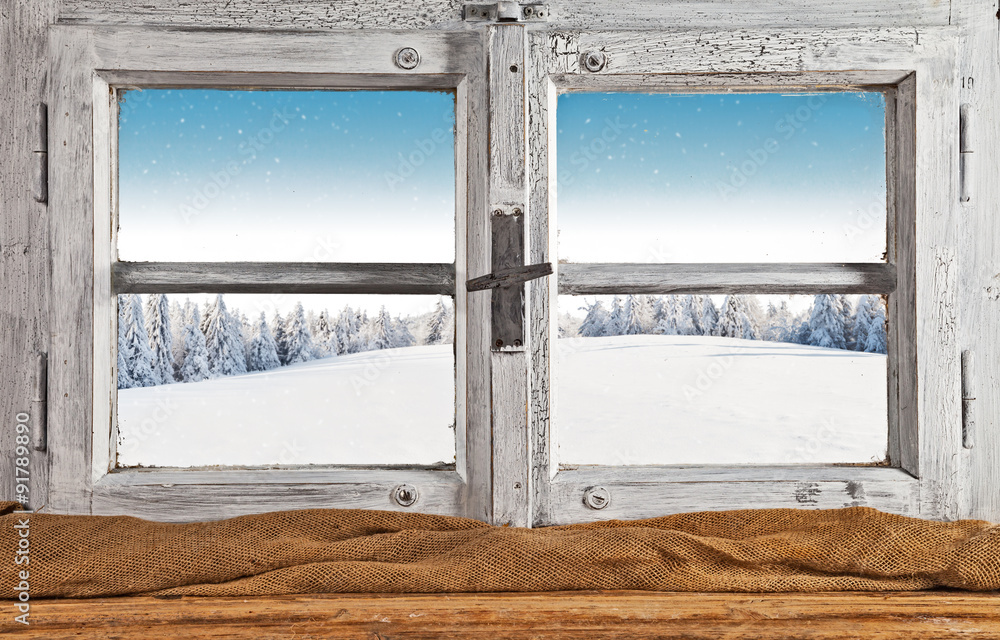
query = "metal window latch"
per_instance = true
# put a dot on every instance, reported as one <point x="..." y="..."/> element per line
<point x="509" y="277"/>
<point x="506" y="12"/>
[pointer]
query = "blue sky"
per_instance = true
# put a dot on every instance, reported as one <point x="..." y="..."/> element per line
<point x="369" y="176"/>
<point x="721" y="178"/>
<point x="278" y="175"/>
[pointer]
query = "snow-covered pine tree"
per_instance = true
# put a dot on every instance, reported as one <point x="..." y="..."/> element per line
<point x="779" y="323"/>
<point x="709" y="317"/>
<point x="195" y="367"/>
<point x="735" y="320"/>
<point x="595" y="323"/>
<point x="437" y="324"/>
<point x="401" y="334"/>
<point x="160" y="338"/>
<point x="863" y="316"/>
<point x="667" y="316"/>
<point x="379" y="335"/>
<point x="178" y="320"/>
<point x="847" y="317"/>
<point x="877" y="341"/>
<point x="124" y="375"/>
<point x="693" y="304"/>
<point x="263" y="352"/>
<point x="344" y="330"/>
<point x="826" y="323"/>
<point x="138" y="355"/>
<point x="297" y="337"/>
<point x="280" y="340"/>
<point x="616" y="318"/>
<point x="324" y="335"/>
<point x="637" y="317"/>
<point x="224" y="339"/>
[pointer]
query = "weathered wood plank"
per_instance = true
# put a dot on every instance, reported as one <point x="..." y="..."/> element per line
<point x="630" y="499"/>
<point x="71" y="315"/>
<point x="681" y="81"/>
<point x="24" y="242"/>
<point x="288" y="277"/>
<point x="937" y="351"/>
<point x="979" y="291"/>
<point x="569" y="615"/>
<point x="542" y="241"/>
<point x="762" y="278"/>
<point x="507" y="52"/>
<point x="510" y="439"/>
<point x="764" y="50"/>
<point x="478" y="384"/>
<point x="192" y="496"/>
<point x="399" y="14"/>
<point x="904" y="441"/>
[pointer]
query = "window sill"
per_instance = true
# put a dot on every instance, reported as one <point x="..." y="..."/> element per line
<point x="585" y="614"/>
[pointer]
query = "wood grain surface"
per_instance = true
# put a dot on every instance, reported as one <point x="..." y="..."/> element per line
<point x="591" y="615"/>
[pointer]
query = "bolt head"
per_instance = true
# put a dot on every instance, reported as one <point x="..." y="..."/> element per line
<point x="407" y="58"/>
<point x="596" y="498"/>
<point x="404" y="495"/>
<point x="594" y="61"/>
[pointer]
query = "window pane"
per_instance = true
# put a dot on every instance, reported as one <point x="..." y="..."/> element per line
<point x="721" y="380"/>
<point x="285" y="379"/>
<point x="721" y="178"/>
<point x="299" y="176"/>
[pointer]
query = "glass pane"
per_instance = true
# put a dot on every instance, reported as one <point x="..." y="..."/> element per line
<point x="299" y="176"/>
<point x="285" y="379"/>
<point x="721" y="380"/>
<point x="721" y="178"/>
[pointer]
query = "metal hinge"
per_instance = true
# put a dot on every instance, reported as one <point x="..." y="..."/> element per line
<point x="39" y="403"/>
<point x="968" y="401"/>
<point x="40" y="159"/>
<point x="965" y="154"/>
<point x="506" y="12"/>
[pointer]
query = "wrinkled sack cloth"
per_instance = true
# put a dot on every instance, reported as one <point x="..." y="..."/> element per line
<point x="345" y="551"/>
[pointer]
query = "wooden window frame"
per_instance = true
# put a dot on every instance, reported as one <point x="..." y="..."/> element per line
<point x="505" y="397"/>
<point x="91" y="65"/>
<point x="916" y="75"/>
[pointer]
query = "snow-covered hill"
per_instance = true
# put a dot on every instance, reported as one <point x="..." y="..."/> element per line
<point x="707" y="400"/>
<point x="620" y="400"/>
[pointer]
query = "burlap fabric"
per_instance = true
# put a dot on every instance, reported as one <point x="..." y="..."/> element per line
<point x="337" y="551"/>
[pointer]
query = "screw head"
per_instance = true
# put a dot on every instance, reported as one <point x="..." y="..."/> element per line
<point x="517" y="343"/>
<point x="529" y="10"/>
<point x="404" y="495"/>
<point x="499" y="343"/>
<point x="407" y="58"/>
<point x="498" y="212"/>
<point x="594" y="61"/>
<point x="517" y="212"/>
<point x="596" y="498"/>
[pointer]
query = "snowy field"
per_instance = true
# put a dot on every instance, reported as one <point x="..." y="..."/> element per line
<point x="394" y="406"/>
<point x="706" y="400"/>
<point x="620" y="400"/>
